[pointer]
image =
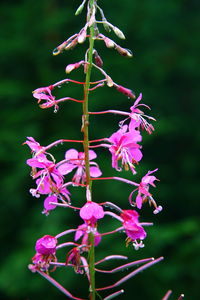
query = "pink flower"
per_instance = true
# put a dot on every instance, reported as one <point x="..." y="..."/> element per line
<point x="35" y="146"/>
<point x="125" y="148"/>
<point x="76" y="160"/>
<point x="46" y="245"/>
<point x="91" y="212"/>
<point x="137" y="119"/>
<point x="40" y="161"/>
<point x="49" y="182"/>
<point x="143" y="192"/>
<point x="133" y="228"/>
<point x="83" y="231"/>
<point x="44" y="93"/>
<point x="51" y="185"/>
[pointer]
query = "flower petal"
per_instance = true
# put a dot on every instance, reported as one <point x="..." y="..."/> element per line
<point x="66" y="168"/>
<point x="92" y="155"/>
<point x="95" y="172"/>
<point x="71" y="154"/>
<point x="47" y="205"/>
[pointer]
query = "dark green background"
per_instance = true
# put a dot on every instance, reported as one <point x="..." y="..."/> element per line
<point x="164" y="37"/>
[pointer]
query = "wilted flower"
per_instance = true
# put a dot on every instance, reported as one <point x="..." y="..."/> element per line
<point x="74" y="257"/>
<point x="143" y="192"/>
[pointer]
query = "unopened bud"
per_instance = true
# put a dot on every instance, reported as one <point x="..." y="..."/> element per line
<point x="109" y="43"/>
<point x="118" y="32"/>
<point x="71" y="44"/>
<point x="124" y="51"/>
<point x="125" y="91"/>
<point x="72" y="67"/>
<point x="80" y="8"/>
<point x="82" y="36"/>
<point x="157" y="210"/>
<point x="60" y="48"/>
<point x="106" y="26"/>
<point x="98" y="60"/>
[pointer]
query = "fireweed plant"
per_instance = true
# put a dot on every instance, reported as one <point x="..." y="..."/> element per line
<point x="124" y="146"/>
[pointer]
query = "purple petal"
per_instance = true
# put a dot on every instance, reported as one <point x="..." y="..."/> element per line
<point x="139" y="201"/>
<point x="95" y="172"/>
<point x="97" y="239"/>
<point x="135" y="232"/>
<point x="42" y="96"/>
<point x="47" y="205"/>
<point x="132" y="136"/>
<point x="135" y="122"/>
<point x="136" y="102"/>
<point x="71" y="154"/>
<point x="66" y="168"/>
<point x="80" y="232"/>
<point x="91" y="209"/>
<point x="43" y="185"/>
<point x="116" y="136"/>
<point x="92" y="155"/>
<point x="136" y="154"/>
<point x="31" y="142"/>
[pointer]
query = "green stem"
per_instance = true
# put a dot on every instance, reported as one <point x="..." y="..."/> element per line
<point x="85" y="129"/>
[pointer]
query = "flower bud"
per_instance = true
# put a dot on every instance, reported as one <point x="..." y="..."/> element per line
<point x="98" y="60"/>
<point x="125" y="91"/>
<point x="106" y="26"/>
<point x="118" y="32"/>
<point x="109" y="43"/>
<point x="60" y="48"/>
<point x="72" y="44"/>
<point x="80" y="8"/>
<point x="123" y="51"/>
<point x="72" y="67"/>
<point x="82" y="36"/>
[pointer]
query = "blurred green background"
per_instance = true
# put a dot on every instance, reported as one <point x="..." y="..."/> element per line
<point x="164" y="37"/>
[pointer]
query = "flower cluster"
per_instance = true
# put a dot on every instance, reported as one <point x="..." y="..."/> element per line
<point x="79" y="169"/>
